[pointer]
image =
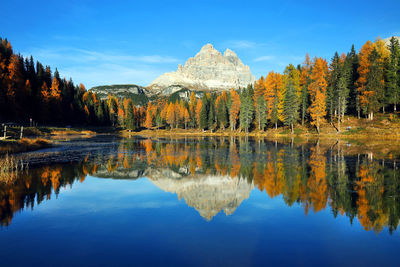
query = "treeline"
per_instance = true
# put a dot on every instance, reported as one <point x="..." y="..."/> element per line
<point x="29" y="90"/>
<point x="313" y="92"/>
<point x="357" y="84"/>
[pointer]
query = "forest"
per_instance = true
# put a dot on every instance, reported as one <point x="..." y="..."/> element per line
<point x="316" y="91"/>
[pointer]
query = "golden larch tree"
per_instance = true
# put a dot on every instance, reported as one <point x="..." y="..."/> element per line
<point x="317" y="92"/>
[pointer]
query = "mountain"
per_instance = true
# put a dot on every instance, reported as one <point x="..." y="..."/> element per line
<point x="387" y="40"/>
<point x="207" y="70"/>
<point x="138" y="93"/>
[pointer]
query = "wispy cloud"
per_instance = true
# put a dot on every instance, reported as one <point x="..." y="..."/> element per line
<point x="239" y="44"/>
<point x="76" y="54"/>
<point x="264" y="58"/>
<point x="104" y="67"/>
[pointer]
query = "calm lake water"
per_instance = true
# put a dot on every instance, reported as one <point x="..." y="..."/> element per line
<point x="201" y="201"/>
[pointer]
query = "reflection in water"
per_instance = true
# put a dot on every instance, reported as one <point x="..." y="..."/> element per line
<point x="214" y="175"/>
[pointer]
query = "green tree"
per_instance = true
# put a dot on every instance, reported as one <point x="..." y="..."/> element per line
<point x="130" y="117"/>
<point x="374" y="85"/>
<point x="393" y="74"/>
<point x="261" y="112"/>
<point x="246" y="109"/>
<point x="290" y="107"/>
<point x="204" y="113"/>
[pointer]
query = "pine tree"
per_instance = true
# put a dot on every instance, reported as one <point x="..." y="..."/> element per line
<point x="374" y="86"/>
<point x="304" y="83"/>
<point x="246" y="109"/>
<point x="222" y="111"/>
<point x="290" y="109"/>
<point x="332" y="89"/>
<point x="343" y="89"/>
<point x="393" y="74"/>
<point x="234" y="110"/>
<point x="211" y="112"/>
<point x="261" y="112"/>
<point x="274" y="113"/>
<point x="204" y="113"/>
<point x="130" y="117"/>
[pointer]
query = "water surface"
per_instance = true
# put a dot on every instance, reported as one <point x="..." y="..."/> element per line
<point x="201" y="201"/>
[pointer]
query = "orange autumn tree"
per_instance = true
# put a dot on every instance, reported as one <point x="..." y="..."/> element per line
<point x="234" y="111"/>
<point x="199" y="105"/>
<point x="259" y="89"/>
<point x="149" y="121"/>
<point x="363" y="70"/>
<point x="171" y="115"/>
<point x="317" y="92"/>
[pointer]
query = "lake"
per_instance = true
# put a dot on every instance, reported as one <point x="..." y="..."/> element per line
<point x="107" y="201"/>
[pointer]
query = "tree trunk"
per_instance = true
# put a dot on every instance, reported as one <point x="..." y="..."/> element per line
<point x="291" y="125"/>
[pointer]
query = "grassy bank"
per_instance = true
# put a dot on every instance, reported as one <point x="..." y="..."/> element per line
<point x="23" y="145"/>
<point x="382" y="128"/>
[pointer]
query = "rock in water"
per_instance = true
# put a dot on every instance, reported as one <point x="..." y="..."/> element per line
<point x="208" y="70"/>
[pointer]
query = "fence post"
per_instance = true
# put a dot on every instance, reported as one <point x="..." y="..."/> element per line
<point x="5" y="131"/>
<point x="22" y="130"/>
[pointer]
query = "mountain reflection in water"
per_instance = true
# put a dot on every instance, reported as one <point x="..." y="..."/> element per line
<point x="214" y="175"/>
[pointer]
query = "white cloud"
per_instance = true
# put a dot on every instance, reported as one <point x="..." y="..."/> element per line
<point x="238" y="44"/>
<point x="264" y="58"/>
<point x="104" y="67"/>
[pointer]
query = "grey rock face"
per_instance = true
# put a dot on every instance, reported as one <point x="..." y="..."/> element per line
<point x="208" y="70"/>
<point x="119" y="90"/>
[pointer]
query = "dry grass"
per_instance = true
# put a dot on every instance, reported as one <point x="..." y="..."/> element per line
<point x="23" y="145"/>
<point x="9" y="168"/>
<point x="63" y="132"/>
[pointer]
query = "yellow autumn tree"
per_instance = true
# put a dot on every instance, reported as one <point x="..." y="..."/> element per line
<point x="317" y="92"/>
<point x="235" y="108"/>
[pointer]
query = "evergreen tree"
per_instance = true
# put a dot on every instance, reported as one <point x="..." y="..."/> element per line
<point x="204" y="113"/>
<point x="274" y="113"/>
<point x="290" y="108"/>
<point x="261" y="112"/>
<point x="374" y="85"/>
<point x="354" y="100"/>
<point x="393" y="74"/>
<point x="246" y="109"/>
<point x="222" y="112"/>
<point x="130" y="117"/>
<point x="211" y="112"/>
<point x="343" y="89"/>
<point x="332" y="89"/>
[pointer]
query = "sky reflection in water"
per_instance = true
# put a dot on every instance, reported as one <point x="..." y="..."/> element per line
<point x="165" y="203"/>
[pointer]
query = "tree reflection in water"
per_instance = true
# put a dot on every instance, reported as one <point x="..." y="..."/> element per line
<point x="214" y="174"/>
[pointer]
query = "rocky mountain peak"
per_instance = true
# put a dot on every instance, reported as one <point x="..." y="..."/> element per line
<point x="208" y="70"/>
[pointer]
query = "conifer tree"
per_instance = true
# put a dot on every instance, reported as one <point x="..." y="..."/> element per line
<point x="204" y="113"/>
<point x="222" y="111"/>
<point x="290" y="109"/>
<point x="374" y="86"/>
<point x="130" y="116"/>
<point x="393" y="74"/>
<point x="246" y="109"/>
<point x="261" y="112"/>
<point x="234" y="110"/>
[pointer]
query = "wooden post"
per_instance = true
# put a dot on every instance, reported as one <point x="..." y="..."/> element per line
<point x="5" y="131"/>
<point x="22" y="130"/>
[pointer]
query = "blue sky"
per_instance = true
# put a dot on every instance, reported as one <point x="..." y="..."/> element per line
<point x="111" y="42"/>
